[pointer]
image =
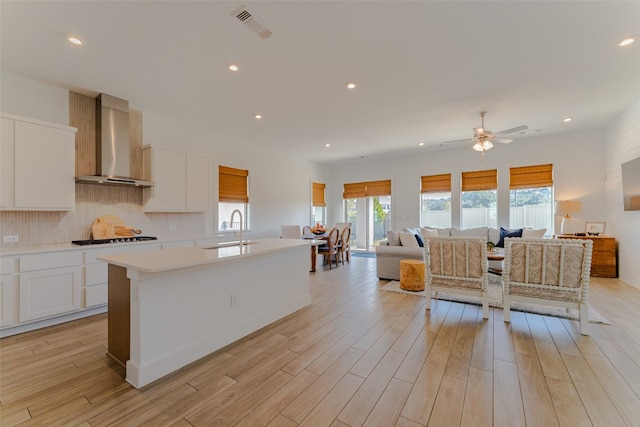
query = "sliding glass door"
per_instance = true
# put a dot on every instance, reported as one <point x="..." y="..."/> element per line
<point x="370" y="218"/>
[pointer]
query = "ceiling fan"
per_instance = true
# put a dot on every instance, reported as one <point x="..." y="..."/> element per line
<point x="483" y="139"/>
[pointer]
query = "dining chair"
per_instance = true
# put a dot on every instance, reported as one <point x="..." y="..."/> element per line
<point x="344" y="245"/>
<point x="548" y="271"/>
<point x="457" y="265"/>
<point x="290" y="232"/>
<point x="331" y="248"/>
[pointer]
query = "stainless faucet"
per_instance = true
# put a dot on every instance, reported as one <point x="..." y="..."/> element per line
<point x="234" y="231"/>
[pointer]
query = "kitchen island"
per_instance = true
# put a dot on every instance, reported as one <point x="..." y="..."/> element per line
<point x="168" y="308"/>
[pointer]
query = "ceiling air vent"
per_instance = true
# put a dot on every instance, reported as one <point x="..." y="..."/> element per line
<point x="247" y="19"/>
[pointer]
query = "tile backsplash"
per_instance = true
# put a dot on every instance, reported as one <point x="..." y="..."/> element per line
<point x="45" y="228"/>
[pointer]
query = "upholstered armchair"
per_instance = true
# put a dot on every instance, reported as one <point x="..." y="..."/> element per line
<point x="550" y="272"/>
<point x="457" y="265"/>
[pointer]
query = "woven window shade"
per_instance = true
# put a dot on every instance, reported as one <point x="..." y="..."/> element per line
<point x="436" y="183"/>
<point x="318" y="194"/>
<point x="480" y="180"/>
<point x="531" y="177"/>
<point x="367" y="189"/>
<point x="233" y="185"/>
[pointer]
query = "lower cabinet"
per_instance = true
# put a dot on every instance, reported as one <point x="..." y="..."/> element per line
<point x="8" y="284"/>
<point x="95" y="284"/>
<point x="50" y="292"/>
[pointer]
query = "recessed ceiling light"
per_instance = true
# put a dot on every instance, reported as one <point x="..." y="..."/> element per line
<point x="233" y="67"/>
<point x="568" y="119"/>
<point x="327" y="145"/>
<point x="627" y="41"/>
<point x="421" y="144"/>
<point x="258" y="116"/>
<point x="75" y="40"/>
<point x="351" y="85"/>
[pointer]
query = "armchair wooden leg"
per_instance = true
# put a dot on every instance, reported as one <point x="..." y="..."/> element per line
<point x="506" y="308"/>
<point x="485" y="305"/>
<point x="584" y="319"/>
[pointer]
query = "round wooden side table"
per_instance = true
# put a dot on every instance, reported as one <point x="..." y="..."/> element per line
<point x="412" y="275"/>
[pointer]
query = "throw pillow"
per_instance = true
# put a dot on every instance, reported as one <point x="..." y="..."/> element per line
<point x="507" y="233"/>
<point x="428" y="232"/>
<point x="409" y="240"/>
<point x="393" y="237"/>
<point x="419" y="240"/>
<point x="470" y="232"/>
<point x="528" y="233"/>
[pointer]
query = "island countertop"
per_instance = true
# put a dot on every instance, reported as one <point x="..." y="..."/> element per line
<point x="156" y="261"/>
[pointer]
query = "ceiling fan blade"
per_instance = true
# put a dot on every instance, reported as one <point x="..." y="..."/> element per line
<point x="457" y="141"/>
<point x="502" y="140"/>
<point x="512" y="130"/>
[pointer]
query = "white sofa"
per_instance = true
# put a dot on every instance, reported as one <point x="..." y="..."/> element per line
<point x="392" y="250"/>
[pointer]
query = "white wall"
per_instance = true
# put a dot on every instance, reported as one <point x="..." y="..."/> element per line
<point x="29" y="98"/>
<point x="623" y="144"/>
<point x="577" y="158"/>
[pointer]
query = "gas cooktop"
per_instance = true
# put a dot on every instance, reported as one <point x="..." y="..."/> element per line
<point x="114" y="240"/>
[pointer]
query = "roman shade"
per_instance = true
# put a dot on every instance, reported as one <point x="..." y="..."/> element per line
<point x="233" y="186"/>
<point x="318" y="194"/>
<point x="367" y="189"/>
<point x="436" y="183"/>
<point x="480" y="180"/>
<point x="531" y="177"/>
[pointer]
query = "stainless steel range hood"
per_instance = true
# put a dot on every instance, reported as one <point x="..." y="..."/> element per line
<point x="112" y="144"/>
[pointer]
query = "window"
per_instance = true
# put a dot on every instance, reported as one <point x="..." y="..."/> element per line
<point x="367" y="207"/>
<point x="479" y="199"/>
<point x="318" y="203"/>
<point x="435" y="201"/>
<point x="233" y="193"/>
<point x="530" y="197"/>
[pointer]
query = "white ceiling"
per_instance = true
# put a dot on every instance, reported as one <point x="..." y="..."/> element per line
<point x="424" y="69"/>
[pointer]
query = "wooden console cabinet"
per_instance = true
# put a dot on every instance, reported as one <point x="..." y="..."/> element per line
<point x="604" y="259"/>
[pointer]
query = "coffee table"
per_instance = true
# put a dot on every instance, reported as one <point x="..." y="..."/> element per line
<point x="497" y="254"/>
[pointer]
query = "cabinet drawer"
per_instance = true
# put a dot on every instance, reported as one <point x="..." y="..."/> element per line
<point x="50" y="260"/>
<point x="95" y="295"/>
<point x="46" y="293"/>
<point x="96" y="273"/>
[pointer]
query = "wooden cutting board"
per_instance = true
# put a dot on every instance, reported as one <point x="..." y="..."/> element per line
<point x="111" y="226"/>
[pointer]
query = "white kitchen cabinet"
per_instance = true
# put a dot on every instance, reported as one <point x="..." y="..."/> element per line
<point x="40" y="162"/>
<point x="49" y="284"/>
<point x="8" y="285"/>
<point x="49" y="292"/>
<point x="182" y="181"/>
<point x="7" y="127"/>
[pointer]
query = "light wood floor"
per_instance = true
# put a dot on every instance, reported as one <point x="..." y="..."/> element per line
<point x="355" y="356"/>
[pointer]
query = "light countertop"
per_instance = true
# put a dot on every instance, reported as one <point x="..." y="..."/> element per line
<point x="155" y="261"/>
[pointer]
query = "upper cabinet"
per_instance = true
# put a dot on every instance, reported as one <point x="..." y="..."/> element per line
<point x="182" y="181"/>
<point x="38" y="165"/>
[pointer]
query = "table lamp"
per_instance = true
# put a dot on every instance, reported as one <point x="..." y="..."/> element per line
<point x="566" y="207"/>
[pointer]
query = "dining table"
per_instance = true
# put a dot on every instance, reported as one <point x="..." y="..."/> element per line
<point x="315" y="240"/>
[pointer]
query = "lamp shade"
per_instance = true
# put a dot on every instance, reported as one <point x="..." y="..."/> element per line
<point x="566" y="207"/>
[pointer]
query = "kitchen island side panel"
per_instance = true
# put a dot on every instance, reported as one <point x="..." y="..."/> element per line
<point x="180" y="316"/>
<point x="118" y="322"/>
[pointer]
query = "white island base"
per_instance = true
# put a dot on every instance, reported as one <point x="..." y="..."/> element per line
<point x="185" y="303"/>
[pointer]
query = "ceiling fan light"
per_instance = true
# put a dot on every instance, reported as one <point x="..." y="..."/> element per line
<point x="478" y="146"/>
<point x="487" y="145"/>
